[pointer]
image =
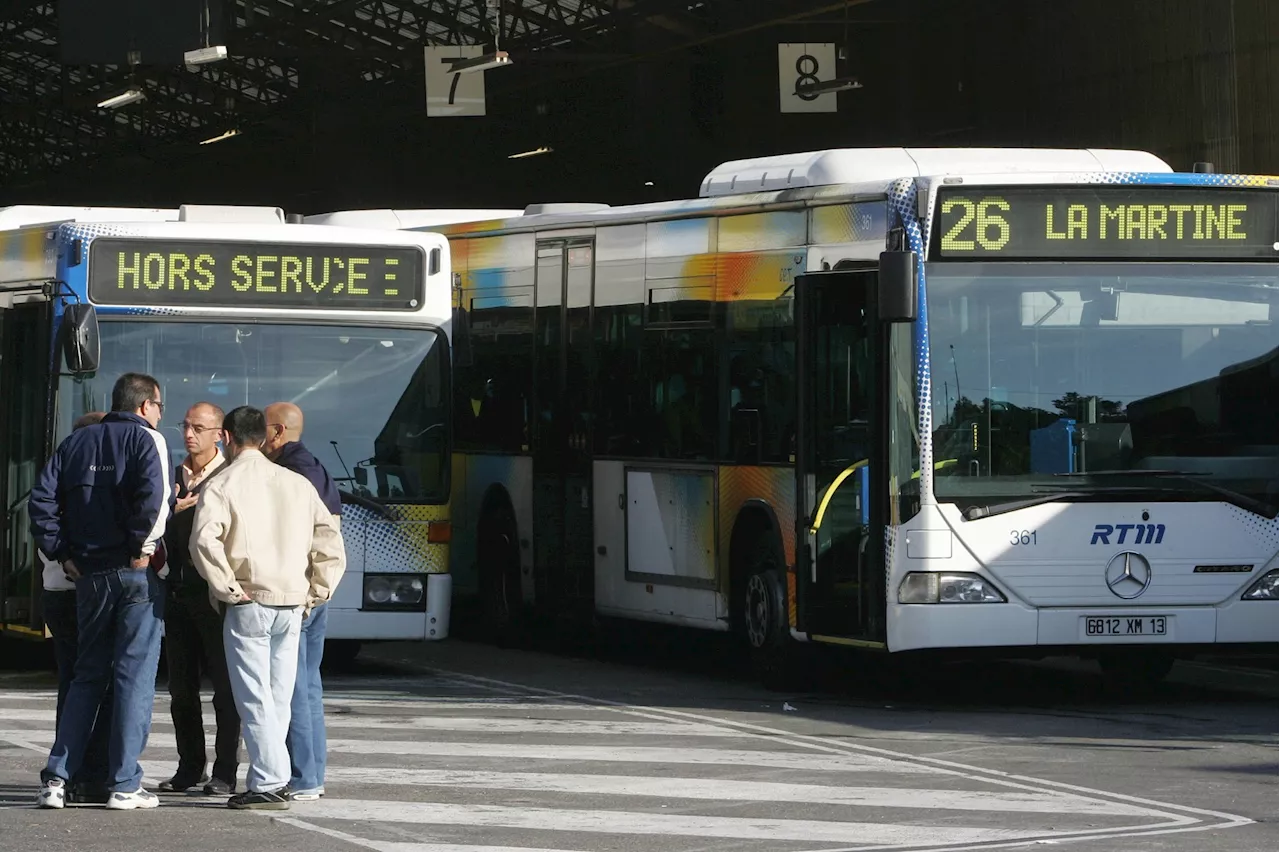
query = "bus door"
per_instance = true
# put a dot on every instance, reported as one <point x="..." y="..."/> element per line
<point x="24" y="373"/>
<point x="841" y="518"/>
<point x="563" y="537"/>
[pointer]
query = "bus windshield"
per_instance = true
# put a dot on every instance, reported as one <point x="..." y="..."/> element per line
<point x="374" y="400"/>
<point x="1108" y="377"/>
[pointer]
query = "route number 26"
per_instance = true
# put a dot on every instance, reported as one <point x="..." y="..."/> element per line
<point x="991" y="229"/>
<point x="1022" y="537"/>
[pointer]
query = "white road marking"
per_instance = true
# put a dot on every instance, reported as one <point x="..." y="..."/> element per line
<point x="475" y="724"/>
<point x="1180" y="813"/>
<point x="730" y="790"/>
<point x="607" y="754"/>
<point x="650" y="824"/>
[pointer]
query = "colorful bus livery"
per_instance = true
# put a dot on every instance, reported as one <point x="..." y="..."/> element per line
<point x="235" y="306"/>
<point x="870" y="398"/>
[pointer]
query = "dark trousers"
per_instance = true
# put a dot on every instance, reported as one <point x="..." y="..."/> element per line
<point x="60" y="617"/>
<point x="193" y="647"/>
<point x="120" y="615"/>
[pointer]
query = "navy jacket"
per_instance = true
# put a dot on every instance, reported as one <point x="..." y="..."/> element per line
<point x="297" y="458"/>
<point x="105" y="496"/>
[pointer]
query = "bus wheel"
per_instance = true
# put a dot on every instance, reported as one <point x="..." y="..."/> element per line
<point x="499" y="559"/>
<point x="1134" y="672"/>
<point x="774" y="654"/>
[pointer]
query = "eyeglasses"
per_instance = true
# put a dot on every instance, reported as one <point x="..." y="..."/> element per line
<point x="197" y="428"/>
<point x="158" y="404"/>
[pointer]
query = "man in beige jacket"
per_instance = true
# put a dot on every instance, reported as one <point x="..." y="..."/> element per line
<point x="270" y="550"/>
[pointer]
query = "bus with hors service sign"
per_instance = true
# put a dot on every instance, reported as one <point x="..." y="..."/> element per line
<point x="237" y="306"/>
<point x="938" y="400"/>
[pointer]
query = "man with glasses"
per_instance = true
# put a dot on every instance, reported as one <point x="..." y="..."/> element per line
<point x="99" y="508"/>
<point x="193" y="628"/>
<point x="268" y="547"/>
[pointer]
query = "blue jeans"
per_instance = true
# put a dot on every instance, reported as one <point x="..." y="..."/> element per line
<point x="307" y="743"/>
<point x="262" y="661"/>
<point x="60" y="616"/>
<point x="120" y="615"/>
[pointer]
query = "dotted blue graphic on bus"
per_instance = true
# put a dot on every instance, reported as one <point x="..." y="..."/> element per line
<point x="395" y="544"/>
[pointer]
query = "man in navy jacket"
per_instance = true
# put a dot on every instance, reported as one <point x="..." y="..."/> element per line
<point x="306" y="740"/>
<point x="99" y="508"/>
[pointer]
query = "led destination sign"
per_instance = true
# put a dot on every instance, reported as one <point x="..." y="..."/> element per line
<point x="162" y="273"/>
<point x="1104" y="223"/>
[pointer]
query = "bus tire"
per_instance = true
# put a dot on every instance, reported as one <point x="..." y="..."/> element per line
<point x="775" y="657"/>
<point x="498" y="555"/>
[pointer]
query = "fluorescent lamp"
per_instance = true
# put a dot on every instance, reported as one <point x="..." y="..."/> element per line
<point x="219" y="138"/>
<point x="827" y="87"/>
<point x="484" y="62"/>
<point x="535" y="152"/>
<point x="129" y="97"/>
<point x="205" y="55"/>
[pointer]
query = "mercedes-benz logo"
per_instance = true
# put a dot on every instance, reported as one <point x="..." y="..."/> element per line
<point x="1128" y="575"/>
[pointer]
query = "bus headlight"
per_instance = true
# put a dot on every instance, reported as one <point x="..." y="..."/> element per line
<point x="931" y="587"/>
<point x="395" y="592"/>
<point x="1264" y="589"/>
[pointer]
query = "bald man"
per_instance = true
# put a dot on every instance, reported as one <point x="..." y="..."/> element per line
<point x="306" y="739"/>
<point x="193" y="628"/>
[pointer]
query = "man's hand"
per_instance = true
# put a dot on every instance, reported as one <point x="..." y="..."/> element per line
<point x="185" y="503"/>
<point x="70" y="570"/>
<point x="141" y="562"/>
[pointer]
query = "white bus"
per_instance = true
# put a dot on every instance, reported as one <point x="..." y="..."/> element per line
<point x="1015" y="402"/>
<point x="236" y="305"/>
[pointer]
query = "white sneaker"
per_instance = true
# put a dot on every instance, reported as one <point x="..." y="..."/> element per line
<point x="131" y="801"/>
<point x="53" y="794"/>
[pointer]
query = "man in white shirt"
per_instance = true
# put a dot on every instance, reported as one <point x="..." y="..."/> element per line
<point x="269" y="549"/>
<point x="193" y="629"/>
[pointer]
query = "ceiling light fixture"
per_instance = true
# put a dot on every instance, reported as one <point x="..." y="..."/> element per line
<point x="128" y="97"/>
<point x="497" y="59"/>
<point x="827" y="87"/>
<point x="535" y="152"/>
<point x="226" y="135"/>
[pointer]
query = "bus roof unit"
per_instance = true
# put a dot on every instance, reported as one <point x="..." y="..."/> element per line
<point x="869" y="165"/>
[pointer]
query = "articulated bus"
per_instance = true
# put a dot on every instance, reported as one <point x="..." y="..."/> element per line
<point x="239" y="305"/>
<point x="953" y="401"/>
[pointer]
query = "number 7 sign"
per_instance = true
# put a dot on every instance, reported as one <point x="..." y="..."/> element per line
<point x="450" y="94"/>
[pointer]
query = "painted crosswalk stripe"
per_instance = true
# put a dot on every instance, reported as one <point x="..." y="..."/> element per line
<point x="473" y="724"/>
<point x="607" y="754"/>
<point x="650" y="824"/>
<point x="714" y="789"/>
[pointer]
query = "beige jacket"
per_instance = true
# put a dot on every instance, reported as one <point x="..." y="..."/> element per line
<point x="262" y="531"/>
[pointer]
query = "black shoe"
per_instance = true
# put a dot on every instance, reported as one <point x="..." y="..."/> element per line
<point x="88" y="793"/>
<point x="181" y="782"/>
<point x="249" y="800"/>
<point x="218" y="787"/>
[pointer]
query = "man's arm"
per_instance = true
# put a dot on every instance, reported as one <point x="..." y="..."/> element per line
<point x="45" y="511"/>
<point x="209" y="555"/>
<point x="328" y="559"/>
<point x="152" y="494"/>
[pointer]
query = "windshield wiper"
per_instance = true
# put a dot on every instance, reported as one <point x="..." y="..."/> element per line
<point x="1235" y="498"/>
<point x="974" y="513"/>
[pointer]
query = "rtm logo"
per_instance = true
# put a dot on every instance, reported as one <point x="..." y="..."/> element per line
<point x="1142" y="533"/>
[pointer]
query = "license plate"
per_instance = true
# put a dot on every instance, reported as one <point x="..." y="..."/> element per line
<point x="1126" y="625"/>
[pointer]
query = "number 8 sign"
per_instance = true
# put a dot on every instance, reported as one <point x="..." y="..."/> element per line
<point x="799" y="65"/>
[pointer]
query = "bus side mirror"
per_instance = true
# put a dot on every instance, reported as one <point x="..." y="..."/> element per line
<point x="82" y="345"/>
<point x="897" y="286"/>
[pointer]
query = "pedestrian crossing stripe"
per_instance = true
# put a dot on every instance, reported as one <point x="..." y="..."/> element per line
<point x="590" y="778"/>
